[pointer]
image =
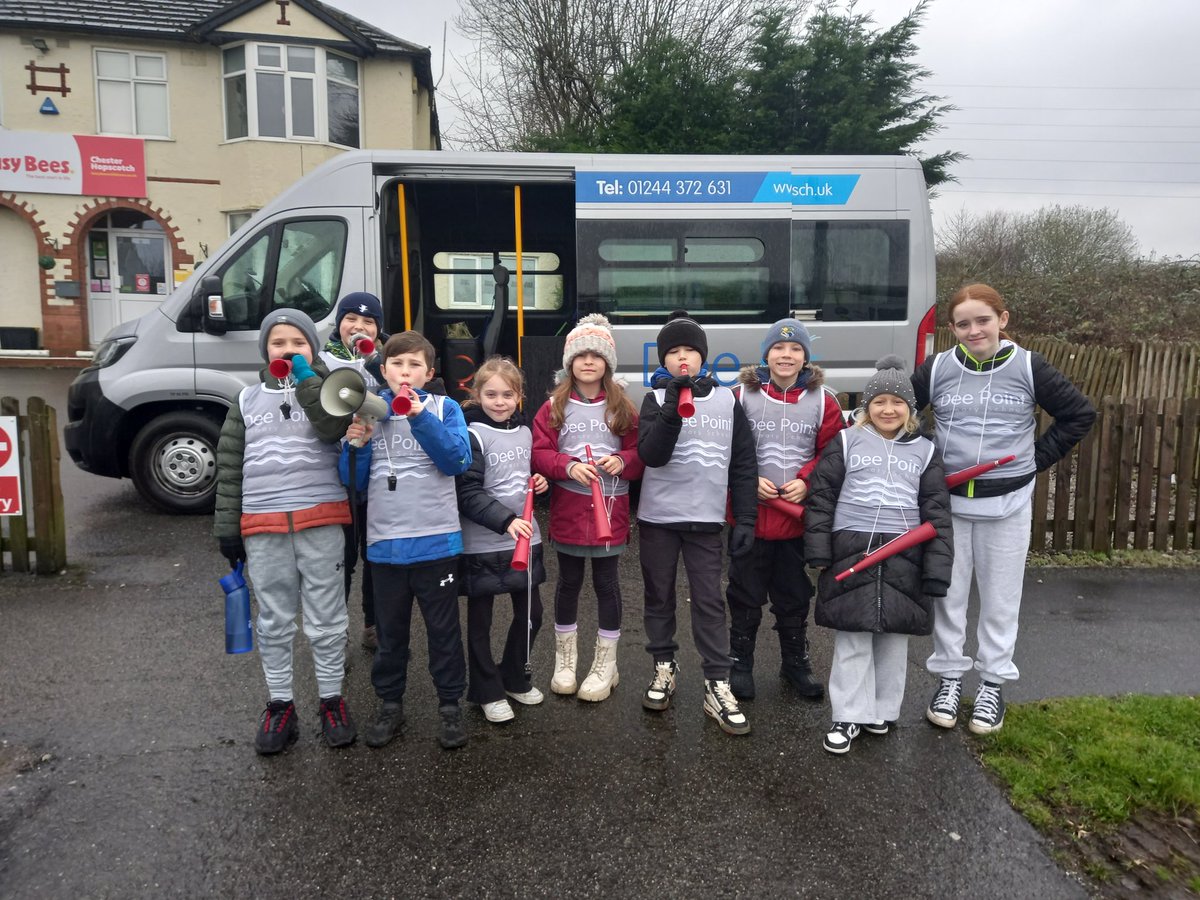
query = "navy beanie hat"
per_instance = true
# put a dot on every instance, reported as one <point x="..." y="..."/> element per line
<point x="890" y="378"/>
<point x="682" y="330"/>
<point x="363" y="304"/>
<point x="788" y="330"/>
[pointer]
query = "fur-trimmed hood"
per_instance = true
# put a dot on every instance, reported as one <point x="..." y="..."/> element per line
<point x="756" y="377"/>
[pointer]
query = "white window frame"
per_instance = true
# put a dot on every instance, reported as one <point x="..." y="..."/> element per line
<point x="320" y="79"/>
<point x="235" y="219"/>
<point x="131" y="81"/>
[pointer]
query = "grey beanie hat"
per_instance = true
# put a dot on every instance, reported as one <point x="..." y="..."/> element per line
<point x="788" y="330"/>
<point x="890" y="378"/>
<point x="292" y="317"/>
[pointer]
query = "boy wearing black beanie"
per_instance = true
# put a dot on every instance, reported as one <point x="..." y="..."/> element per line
<point x="694" y="466"/>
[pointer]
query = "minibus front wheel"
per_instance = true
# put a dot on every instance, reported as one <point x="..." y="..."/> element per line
<point x="173" y="462"/>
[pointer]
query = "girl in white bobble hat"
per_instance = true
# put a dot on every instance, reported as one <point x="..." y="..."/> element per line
<point x="587" y="408"/>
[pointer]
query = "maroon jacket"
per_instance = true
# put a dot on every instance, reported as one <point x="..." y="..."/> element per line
<point x="571" y="513"/>
<point x="773" y="525"/>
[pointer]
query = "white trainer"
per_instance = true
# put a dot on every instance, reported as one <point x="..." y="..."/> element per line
<point x="499" y="711"/>
<point x="531" y="697"/>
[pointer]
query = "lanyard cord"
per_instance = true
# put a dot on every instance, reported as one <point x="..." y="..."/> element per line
<point x="887" y="447"/>
<point x="962" y="371"/>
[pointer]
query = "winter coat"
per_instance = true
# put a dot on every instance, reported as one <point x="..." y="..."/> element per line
<point x="1072" y="412"/>
<point x="488" y="574"/>
<point x="659" y="432"/>
<point x="231" y="451"/>
<point x="773" y="525"/>
<point x="892" y="597"/>
<point x="571" y="513"/>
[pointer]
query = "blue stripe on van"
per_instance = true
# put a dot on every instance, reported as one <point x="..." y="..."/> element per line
<point x="714" y="187"/>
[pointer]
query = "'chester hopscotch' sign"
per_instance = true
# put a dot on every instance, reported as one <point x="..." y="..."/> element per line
<point x="10" y="468"/>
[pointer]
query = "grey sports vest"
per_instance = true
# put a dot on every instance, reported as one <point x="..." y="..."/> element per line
<point x="334" y="362"/>
<point x="692" y="486"/>
<point x="996" y="405"/>
<point x="785" y="434"/>
<point x="424" y="501"/>
<point x="882" y="486"/>
<point x="507" y="453"/>
<point x="584" y="425"/>
<point x="285" y="466"/>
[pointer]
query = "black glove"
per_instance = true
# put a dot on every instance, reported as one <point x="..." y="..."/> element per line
<point x="233" y="550"/>
<point x="741" y="539"/>
<point x="672" y="388"/>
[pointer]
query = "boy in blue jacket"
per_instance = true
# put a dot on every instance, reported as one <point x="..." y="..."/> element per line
<point x="413" y="534"/>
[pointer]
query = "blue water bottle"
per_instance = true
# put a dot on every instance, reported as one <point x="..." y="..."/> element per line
<point x="238" y="635"/>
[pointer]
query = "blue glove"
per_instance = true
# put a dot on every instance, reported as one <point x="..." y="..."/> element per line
<point x="301" y="369"/>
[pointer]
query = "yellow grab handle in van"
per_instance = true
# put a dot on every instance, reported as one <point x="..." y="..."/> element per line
<point x="404" y="260"/>
<point x="520" y="275"/>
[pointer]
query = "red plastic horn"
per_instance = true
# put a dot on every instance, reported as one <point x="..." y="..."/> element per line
<point x="919" y="535"/>
<point x="520" y="560"/>
<point x="962" y="476"/>
<point x="280" y="368"/>
<point x="686" y="407"/>
<point x="402" y="403"/>
<point x="795" y="510"/>
<point x="599" y="515"/>
<point x="364" y="346"/>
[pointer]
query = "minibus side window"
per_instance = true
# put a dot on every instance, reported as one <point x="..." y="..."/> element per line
<point x="727" y="271"/>
<point x="242" y="282"/>
<point x="851" y="271"/>
<point x="463" y="280"/>
<point x="309" y="270"/>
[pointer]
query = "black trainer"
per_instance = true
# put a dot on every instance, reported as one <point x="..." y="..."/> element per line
<point x="337" y="726"/>
<point x="943" y="708"/>
<point x="720" y="703"/>
<point x="880" y="727"/>
<point x="840" y="736"/>
<point x="454" y="732"/>
<point x="387" y="724"/>
<point x="988" y="714"/>
<point x="278" y="728"/>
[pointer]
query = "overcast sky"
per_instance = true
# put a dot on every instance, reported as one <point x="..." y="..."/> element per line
<point x="1091" y="102"/>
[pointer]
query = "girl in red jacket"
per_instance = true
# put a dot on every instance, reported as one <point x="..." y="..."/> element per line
<point x="587" y="409"/>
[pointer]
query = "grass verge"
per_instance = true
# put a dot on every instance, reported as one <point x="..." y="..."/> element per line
<point x="1114" y="782"/>
<point x="1118" y="559"/>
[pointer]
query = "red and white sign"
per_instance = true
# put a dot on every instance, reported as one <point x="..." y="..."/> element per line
<point x="10" y="468"/>
<point x="43" y="163"/>
<point x="141" y="284"/>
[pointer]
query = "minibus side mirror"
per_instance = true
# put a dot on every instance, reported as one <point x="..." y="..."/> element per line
<point x="212" y="305"/>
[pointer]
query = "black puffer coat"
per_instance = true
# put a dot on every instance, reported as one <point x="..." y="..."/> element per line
<point x="485" y="574"/>
<point x="895" y="596"/>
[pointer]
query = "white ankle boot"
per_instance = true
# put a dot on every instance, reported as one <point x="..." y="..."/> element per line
<point x="603" y="677"/>
<point x="563" y="681"/>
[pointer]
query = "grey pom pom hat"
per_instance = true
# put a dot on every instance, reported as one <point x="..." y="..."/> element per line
<point x="890" y="378"/>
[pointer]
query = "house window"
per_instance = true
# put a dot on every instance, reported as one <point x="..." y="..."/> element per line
<point x="238" y="219"/>
<point x="288" y="92"/>
<point x="131" y="93"/>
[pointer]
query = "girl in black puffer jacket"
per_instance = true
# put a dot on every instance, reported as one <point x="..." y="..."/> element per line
<point x="874" y="482"/>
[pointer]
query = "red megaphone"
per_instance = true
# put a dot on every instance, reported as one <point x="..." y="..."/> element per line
<point x="919" y="535"/>
<point x="962" y="476"/>
<point x="280" y="368"/>
<point x="402" y="403"/>
<point x="599" y="514"/>
<point x="520" y="560"/>
<point x="686" y="407"/>
<point x="795" y="510"/>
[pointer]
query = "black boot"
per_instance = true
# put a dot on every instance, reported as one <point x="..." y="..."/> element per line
<point x="796" y="668"/>
<point x="741" y="676"/>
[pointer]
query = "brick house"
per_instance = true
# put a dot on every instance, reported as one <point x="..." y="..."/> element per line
<point x="136" y="136"/>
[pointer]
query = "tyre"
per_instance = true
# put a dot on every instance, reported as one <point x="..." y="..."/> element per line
<point x="173" y="462"/>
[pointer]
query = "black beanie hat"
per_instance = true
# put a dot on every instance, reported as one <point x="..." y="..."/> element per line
<point x="682" y="330"/>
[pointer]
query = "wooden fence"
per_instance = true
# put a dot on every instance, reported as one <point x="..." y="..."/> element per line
<point x="1131" y="483"/>
<point x="1137" y="370"/>
<point x="41" y="493"/>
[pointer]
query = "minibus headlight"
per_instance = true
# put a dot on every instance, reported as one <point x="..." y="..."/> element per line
<point x="110" y="351"/>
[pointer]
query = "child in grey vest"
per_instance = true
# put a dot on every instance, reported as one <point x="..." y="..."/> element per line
<point x="875" y="482"/>
<point x="695" y="466"/>
<point x="491" y="500"/>
<point x="984" y="394"/>
<point x="359" y="314"/>
<point x="281" y="508"/>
